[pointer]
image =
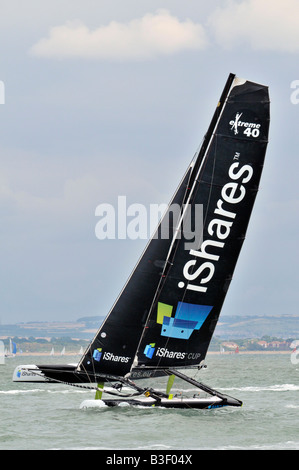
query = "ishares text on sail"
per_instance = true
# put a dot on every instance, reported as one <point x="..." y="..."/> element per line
<point x="199" y="270"/>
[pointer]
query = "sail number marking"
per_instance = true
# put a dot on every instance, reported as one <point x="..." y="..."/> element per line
<point x="252" y="132"/>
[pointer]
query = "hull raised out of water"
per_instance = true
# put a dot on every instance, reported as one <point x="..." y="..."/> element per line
<point x="35" y="373"/>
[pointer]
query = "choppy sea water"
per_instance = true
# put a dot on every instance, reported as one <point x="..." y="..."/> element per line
<point x="49" y="417"/>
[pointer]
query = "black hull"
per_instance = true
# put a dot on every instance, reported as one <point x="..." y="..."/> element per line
<point x="186" y="403"/>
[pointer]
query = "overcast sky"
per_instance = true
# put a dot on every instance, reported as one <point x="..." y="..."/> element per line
<point x="110" y="98"/>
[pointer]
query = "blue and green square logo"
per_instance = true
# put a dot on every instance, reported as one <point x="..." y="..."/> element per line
<point x="97" y="354"/>
<point x="187" y="318"/>
<point x="149" y="350"/>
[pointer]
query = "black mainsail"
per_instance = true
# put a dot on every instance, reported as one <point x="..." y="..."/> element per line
<point x="166" y="314"/>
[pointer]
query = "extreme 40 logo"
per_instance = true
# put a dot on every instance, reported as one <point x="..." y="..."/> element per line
<point x="250" y="129"/>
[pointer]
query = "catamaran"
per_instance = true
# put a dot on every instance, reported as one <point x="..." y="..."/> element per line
<point x="163" y="320"/>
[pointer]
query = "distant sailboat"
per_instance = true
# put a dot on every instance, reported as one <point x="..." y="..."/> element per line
<point x="2" y="353"/>
<point x="52" y="352"/>
<point x="62" y="353"/>
<point x="163" y="320"/>
<point x="12" y="349"/>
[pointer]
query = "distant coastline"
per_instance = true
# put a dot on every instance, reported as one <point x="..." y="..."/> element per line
<point x="212" y="353"/>
<point x="229" y="353"/>
<point x="233" y="334"/>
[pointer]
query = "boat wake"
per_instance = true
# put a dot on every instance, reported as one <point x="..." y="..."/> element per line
<point x="268" y="388"/>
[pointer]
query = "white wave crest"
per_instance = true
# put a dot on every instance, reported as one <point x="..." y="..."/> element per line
<point x="267" y="388"/>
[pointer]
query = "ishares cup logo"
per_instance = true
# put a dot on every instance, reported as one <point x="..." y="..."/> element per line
<point x="2" y="353"/>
